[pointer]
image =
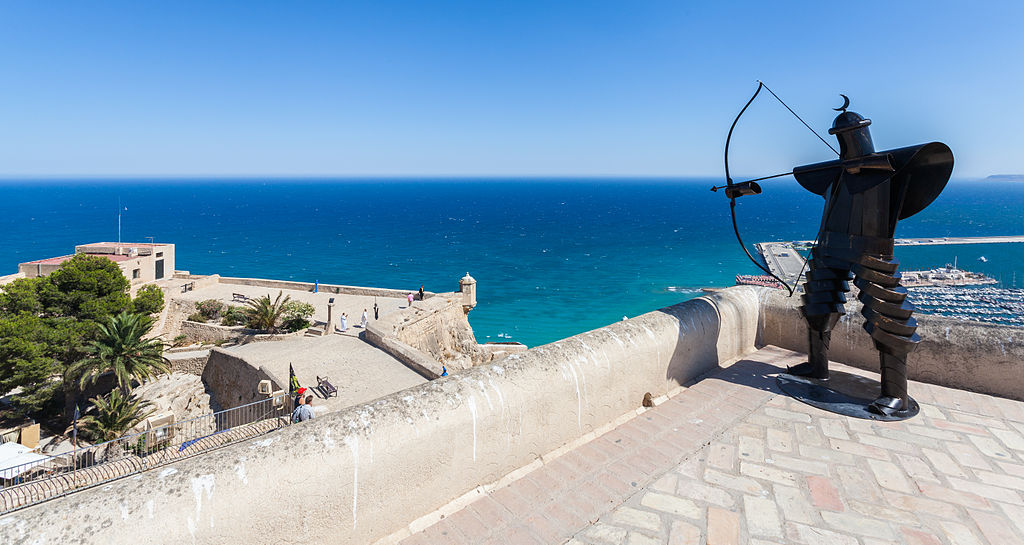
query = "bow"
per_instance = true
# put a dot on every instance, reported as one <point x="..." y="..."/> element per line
<point x="734" y="190"/>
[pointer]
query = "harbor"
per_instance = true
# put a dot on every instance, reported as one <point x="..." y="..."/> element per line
<point x="945" y="291"/>
<point x="786" y="260"/>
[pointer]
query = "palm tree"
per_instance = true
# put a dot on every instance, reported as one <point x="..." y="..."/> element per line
<point x="264" y="313"/>
<point x="121" y="348"/>
<point x="114" y="415"/>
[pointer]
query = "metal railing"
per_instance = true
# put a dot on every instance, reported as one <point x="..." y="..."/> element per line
<point x="47" y="477"/>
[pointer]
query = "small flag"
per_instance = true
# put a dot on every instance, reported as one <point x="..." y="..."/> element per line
<point x="293" y="381"/>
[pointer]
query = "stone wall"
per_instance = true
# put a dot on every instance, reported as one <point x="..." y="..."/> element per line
<point x="432" y="333"/>
<point x="192" y="362"/>
<point x="232" y="381"/>
<point x="323" y="288"/>
<point x="414" y="359"/>
<point x="496" y="351"/>
<point x="370" y="470"/>
<point x="174" y="315"/>
<point x="6" y="279"/>
<point x="958" y="354"/>
<point x="197" y="280"/>
<point x="439" y="327"/>
<point x="210" y="333"/>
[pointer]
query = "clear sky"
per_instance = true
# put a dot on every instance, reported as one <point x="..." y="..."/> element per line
<point x="496" y="88"/>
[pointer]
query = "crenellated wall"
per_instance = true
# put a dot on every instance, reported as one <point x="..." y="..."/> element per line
<point x="369" y="471"/>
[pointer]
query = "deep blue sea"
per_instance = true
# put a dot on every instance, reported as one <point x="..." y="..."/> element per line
<point x="551" y="257"/>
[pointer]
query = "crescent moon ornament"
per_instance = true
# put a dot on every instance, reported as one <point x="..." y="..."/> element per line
<point x="846" y="103"/>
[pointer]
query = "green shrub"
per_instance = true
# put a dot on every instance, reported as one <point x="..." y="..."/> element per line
<point x="233" y="315"/>
<point x="297" y="315"/>
<point x="180" y="340"/>
<point x="210" y="308"/>
<point x="292" y="325"/>
<point x="298" y="309"/>
<point x="197" y="317"/>
<point x="149" y="300"/>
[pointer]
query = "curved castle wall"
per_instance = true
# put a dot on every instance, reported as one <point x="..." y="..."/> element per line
<point x="370" y="471"/>
<point x="364" y="473"/>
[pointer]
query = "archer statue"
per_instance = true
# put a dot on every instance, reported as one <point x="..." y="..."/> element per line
<point x="866" y="193"/>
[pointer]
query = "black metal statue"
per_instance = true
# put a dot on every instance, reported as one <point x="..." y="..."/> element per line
<point x="866" y="193"/>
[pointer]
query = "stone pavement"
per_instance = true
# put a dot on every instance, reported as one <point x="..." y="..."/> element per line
<point x="732" y="460"/>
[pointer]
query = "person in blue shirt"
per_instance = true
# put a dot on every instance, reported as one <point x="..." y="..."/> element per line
<point x="303" y="412"/>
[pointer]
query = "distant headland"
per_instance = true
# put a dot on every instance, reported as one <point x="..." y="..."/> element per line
<point x="1005" y="178"/>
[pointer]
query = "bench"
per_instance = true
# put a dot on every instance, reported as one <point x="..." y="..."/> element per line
<point x="326" y="388"/>
<point x="188" y="286"/>
<point x="242" y="298"/>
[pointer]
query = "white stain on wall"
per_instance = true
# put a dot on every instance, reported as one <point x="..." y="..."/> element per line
<point x="352" y="441"/>
<point x="240" y="471"/>
<point x="472" y="409"/>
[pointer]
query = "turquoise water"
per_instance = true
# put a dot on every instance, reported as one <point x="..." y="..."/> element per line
<point x="552" y="257"/>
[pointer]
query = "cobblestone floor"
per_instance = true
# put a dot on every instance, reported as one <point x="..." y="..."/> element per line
<point x="732" y="460"/>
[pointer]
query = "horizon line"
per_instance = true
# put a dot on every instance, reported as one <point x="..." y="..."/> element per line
<point x="278" y="176"/>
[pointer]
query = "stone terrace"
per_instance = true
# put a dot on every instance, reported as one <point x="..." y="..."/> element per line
<point x="733" y="460"/>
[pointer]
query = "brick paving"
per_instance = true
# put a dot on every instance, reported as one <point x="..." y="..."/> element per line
<point x="733" y="460"/>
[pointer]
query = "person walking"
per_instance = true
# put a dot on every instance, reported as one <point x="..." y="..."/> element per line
<point x="421" y="292"/>
<point x="376" y="311"/>
<point x="344" y="322"/>
<point x="410" y="299"/>
<point x="363" y="324"/>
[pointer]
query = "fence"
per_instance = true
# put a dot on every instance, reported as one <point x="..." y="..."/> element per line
<point x="41" y="477"/>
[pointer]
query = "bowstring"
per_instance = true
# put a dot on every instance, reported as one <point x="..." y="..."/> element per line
<point x="823" y="141"/>
<point x="828" y="212"/>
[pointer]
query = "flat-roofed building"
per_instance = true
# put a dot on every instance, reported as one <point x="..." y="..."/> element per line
<point x="140" y="262"/>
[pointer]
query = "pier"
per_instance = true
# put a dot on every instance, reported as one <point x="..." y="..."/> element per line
<point x="958" y="240"/>
<point x="782" y="259"/>
<point x="936" y="241"/>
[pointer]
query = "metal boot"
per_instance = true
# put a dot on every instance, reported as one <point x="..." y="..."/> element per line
<point x="894" y="399"/>
<point x="816" y="365"/>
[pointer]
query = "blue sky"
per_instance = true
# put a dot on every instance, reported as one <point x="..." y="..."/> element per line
<point x="495" y="88"/>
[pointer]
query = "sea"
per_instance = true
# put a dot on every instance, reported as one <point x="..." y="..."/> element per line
<point x="552" y="257"/>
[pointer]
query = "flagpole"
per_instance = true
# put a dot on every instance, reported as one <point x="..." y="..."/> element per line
<point x="119" y="226"/>
<point x="74" y="454"/>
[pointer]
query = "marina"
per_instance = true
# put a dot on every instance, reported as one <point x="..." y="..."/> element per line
<point x="980" y="304"/>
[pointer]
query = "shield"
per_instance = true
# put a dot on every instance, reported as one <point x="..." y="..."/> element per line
<point x="817" y="178"/>
<point x="925" y="169"/>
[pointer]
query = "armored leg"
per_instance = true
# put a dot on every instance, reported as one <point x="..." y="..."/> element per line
<point x="824" y="297"/>
<point x="888" y="320"/>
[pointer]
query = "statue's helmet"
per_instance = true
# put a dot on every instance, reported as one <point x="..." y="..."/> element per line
<point x="851" y="129"/>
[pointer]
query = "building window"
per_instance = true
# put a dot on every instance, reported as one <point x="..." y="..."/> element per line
<point x="136" y="273"/>
<point x="159" y="254"/>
